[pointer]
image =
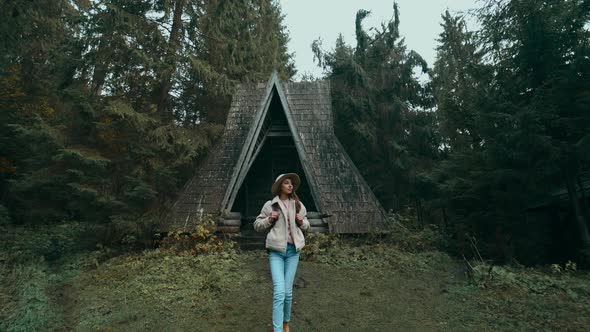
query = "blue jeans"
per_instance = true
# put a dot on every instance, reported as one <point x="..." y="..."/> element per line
<point x="282" y="268"/>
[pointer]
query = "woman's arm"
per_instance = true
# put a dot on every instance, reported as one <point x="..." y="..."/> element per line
<point x="263" y="222"/>
<point x="305" y="224"/>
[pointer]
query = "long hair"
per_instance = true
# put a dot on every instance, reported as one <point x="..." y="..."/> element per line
<point x="297" y="202"/>
<point x="294" y="196"/>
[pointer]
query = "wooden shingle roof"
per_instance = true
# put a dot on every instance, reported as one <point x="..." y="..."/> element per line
<point x="337" y="186"/>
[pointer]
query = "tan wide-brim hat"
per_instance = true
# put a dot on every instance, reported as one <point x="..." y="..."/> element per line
<point x="277" y="185"/>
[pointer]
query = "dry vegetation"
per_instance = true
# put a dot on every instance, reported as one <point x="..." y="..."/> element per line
<point x="400" y="281"/>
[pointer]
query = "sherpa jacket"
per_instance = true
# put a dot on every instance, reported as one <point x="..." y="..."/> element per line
<point x="276" y="238"/>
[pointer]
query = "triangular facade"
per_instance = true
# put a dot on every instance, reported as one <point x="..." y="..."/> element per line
<point x="275" y="128"/>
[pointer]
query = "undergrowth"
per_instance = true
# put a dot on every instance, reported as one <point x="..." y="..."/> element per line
<point x="402" y="245"/>
<point x="157" y="281"/>
<point x="189" y="271"/>
<point x="201" y="239"/>
<point x="24" y="305"/>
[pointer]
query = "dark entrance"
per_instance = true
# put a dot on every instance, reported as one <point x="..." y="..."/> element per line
<point x="274" y="154"/>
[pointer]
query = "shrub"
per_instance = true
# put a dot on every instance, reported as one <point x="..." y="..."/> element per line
<point x="200" y="240"/>
<point x="319" y="243"/>
<point x="404" y="232"/>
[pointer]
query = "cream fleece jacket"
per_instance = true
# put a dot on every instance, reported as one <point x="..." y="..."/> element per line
<point x="276" y="239"/>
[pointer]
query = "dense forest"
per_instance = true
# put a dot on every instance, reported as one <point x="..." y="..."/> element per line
<point x="108" y="106"/>
<point x="501" y="125"/>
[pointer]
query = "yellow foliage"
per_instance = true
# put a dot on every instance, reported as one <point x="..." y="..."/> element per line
<point x="200" y="240"/>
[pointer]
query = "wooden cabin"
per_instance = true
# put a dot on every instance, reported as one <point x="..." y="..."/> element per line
<point x="273" y="128"/>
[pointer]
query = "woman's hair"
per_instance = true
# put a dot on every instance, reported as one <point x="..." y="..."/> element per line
<point x="297" y="202"/>
<point x="294" y="196"/>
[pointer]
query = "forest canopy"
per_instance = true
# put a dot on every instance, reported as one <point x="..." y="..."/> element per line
<point x="107" y="106"/>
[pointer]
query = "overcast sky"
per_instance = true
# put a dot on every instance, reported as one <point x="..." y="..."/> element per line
<point x="307" y="20"/>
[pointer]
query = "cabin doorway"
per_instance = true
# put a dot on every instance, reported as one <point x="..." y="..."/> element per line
<point x="274" y="154"/>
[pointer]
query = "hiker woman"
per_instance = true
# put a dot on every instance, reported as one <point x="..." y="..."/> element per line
<point x="285" y="219"/>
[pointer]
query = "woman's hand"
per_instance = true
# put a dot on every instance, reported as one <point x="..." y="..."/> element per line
<point x="299" y="219"/>
<point x="274" y="215"/>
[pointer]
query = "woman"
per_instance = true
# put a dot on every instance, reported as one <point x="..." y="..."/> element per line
<point x="285" y="219"/>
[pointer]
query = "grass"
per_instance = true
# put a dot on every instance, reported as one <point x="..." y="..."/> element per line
<point x="25" y="304"/>
<point x="340" y="285"/>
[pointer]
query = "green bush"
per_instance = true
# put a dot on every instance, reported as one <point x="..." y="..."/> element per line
<point x="407" y="235"/>
<point x="19" y="244"/>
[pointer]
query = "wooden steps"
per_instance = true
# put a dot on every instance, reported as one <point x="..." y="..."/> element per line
<point x="249" y="239"/>
<point x="242" y="230"/>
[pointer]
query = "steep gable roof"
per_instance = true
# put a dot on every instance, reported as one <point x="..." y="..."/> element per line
<point x="205" y="191"/>
<point x="343" y="191"/>
<point x="256" y="137"/>
<point x="337" y="186"/>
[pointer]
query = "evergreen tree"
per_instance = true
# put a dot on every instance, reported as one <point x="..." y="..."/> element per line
<point x="514" y="116"/>
<point x="540" y="93"/>
<point x="35" y="50"/>
<point x="380" y="109"/>
<point x="456" y="79"/>
<point x="236" y="44"/>
<point x="106" y="103"/>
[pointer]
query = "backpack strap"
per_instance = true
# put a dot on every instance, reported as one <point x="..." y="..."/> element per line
<point x="276" y="208"/>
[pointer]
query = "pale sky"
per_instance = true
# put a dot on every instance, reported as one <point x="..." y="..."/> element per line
<point x="420" y="20"/>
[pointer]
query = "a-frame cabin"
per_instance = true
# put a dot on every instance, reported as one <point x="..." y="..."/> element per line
<point x="275" y="128"/>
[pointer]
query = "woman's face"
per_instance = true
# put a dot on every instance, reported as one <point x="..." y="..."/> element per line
<point x="287" y="186"/>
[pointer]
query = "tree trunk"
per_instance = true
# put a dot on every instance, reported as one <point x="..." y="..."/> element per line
<point x="579" y="220"/>
<point x="445" y="218"/>
<point x="101" y="67"/>
<point x="173" y="42"/>
<point x="419" y="213"/>
<point x="584" y="203"/>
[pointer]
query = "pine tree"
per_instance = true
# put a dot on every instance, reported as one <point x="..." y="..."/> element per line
<point x="241" y="41"/>
<point x="540" y="51"/>
<point x="456" y="75"/>
<point x="513" y="114"/>
<point x="106" y="103"/>
<point x="380" y="109"/>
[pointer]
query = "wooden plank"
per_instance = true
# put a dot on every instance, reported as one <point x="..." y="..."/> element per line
<point x="313" y="215"/>
<point x="317" y="229"/>
<point x="309" y="174"/>
<point x="258" y="149"/>
<point x="279" y="134"/>
<point x="233" y="215"/>
<point x="230" y="222"/>
<point x="228" y="229"/>
<point x="317" y="222"/>
<point x="240" y="171"/>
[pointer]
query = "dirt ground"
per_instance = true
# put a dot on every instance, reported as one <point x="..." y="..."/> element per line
<point x="341" y="298"/>
<point x="427" y="291"/>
